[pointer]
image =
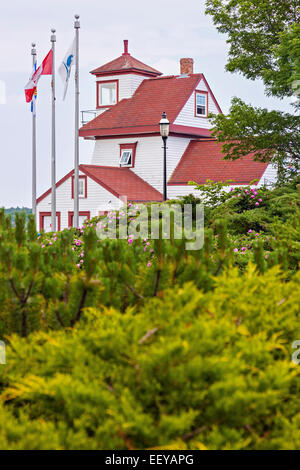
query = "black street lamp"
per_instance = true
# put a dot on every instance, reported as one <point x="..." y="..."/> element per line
<point x="164" y="132"/>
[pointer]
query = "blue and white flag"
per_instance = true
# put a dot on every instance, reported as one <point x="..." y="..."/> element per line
<point x="65" y="68"/>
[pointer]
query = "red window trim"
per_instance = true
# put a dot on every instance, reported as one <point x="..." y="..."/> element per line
<point x="85" y="192"/>
<point x="47" y="214"/>
<point x="87" y="214"/>
<point x="201" y="93"/>
<point x="98" y="83"/>
<point x="132" y="147"/>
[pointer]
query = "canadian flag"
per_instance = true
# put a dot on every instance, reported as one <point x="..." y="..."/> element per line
<point x="44" y="69"/>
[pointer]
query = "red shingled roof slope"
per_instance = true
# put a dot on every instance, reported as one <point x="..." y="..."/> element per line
<point x="146" y="105"/>
<point x="203" y="160"/>
<point x="122" y="182"/>
<point x="125" y="63"/>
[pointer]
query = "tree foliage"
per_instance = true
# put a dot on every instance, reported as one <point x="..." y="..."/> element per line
<point x="260" y="34"/>
<point x="264" y="44"/>
<point x="248" y="129"/>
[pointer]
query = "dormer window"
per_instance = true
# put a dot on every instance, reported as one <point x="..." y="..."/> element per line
<point x="127" y="154"/>
<point x="126" y="158"/>
<point x="107" y="93"/>
<point x="201" y="103"/>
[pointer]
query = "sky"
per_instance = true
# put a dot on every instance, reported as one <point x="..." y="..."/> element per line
<point x="159" y="34"/>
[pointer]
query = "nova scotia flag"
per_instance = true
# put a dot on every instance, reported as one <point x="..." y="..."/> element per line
<point x="65" y="68"/>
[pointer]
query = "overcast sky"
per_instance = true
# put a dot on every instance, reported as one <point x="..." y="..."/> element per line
<point x="159" y="34"/>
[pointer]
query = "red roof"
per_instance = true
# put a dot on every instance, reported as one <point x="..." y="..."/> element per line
<point x="142" y="112"/>
<point x="125" y="64"/>
<point x="122" y="182"/>
<point x="203" y="160"/>
<point x="116" y="180"/>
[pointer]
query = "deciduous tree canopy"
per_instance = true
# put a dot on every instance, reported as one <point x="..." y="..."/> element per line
<point x="264" y="39"/>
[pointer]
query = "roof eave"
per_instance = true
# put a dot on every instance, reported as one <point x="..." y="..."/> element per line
<point x="146" y="73"/>
<point x="175" y="130"/>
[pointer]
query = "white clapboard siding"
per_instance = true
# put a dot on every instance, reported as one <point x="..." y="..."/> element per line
<point x="128" y="83"/>
<point x="270" y="176"/>
<point x="174" y="192"/>
<point x="187" y="116"/>
<point x="98" y="199"/>
<point x="148" y="159"/>
<point x="176" y="146"/>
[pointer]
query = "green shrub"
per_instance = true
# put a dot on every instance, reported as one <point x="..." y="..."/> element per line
<point x="189" y="370"/>
<point x="139" y="344"/>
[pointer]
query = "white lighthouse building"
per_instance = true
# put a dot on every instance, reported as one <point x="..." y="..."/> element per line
<point x="127" y="160"/>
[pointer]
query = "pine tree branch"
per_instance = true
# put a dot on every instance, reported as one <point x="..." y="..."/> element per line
<point x="81" y="305"/>
<point x="157" y="282"/>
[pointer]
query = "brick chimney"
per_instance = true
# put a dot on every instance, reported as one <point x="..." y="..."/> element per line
<point x="186" y="66"/>
<point x="125" y="47"/>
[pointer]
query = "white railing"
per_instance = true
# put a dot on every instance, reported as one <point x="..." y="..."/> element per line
<point x="87" y="116"/>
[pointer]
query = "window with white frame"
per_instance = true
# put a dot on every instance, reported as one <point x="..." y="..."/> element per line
<point x="126" y="157"/>
<point x="201" y="104"/>
<point x="107" y="93"/>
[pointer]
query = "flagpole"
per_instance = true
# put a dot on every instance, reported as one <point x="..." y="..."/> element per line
<point x="53" y="164"/>
<point x="76" y="157"/>
<point x="33" y="53"/>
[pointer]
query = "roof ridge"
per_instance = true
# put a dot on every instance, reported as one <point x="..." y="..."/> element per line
<point x="163" y="77"/>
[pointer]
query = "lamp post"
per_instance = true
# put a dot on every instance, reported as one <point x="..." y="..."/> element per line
<point x="164" y="132"/>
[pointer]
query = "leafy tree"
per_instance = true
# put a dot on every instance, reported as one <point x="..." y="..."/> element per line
<point x="249" y="129"/>
<point x="264" y="44"/>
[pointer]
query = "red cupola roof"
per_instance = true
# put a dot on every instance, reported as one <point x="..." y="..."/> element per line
<point x="126" y="64"/>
